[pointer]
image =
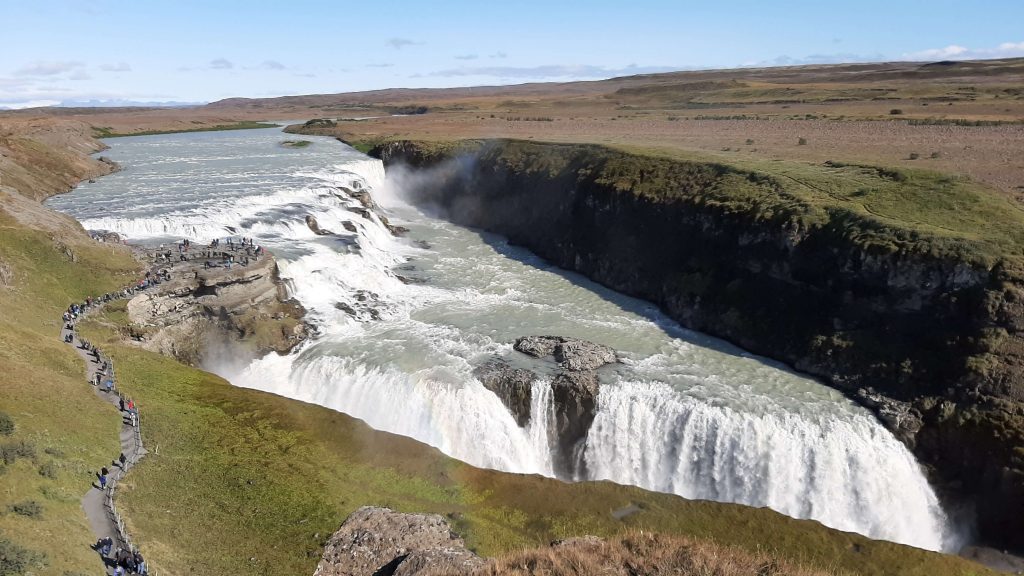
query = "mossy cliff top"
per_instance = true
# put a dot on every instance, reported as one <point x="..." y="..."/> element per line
<point x="885" y="210"/>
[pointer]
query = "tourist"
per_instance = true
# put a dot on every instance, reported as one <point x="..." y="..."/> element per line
<point x="103" y="481"/>
<point x="122" y="459"/>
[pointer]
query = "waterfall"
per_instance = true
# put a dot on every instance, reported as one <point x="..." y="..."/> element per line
<point x="849" y="474"/>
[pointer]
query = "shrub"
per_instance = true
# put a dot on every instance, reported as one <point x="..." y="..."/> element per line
<point x="6" y="424"/>
<point x="750" y="141"/>
<point x="321" y="123"/>
<point x="17" y="560"/>
<point x="914" y="156"/>
<point x="14" y="450"/>
<point x="801" y="141"/>
<point x="935" y="155"/>
<point x="895" y="111"/>
<point x="28" y="508"/>
<point x="48" y="470"/>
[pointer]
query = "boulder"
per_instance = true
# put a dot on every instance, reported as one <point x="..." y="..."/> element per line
<point x="376" y="541"/>
<point x="536" y="346"/>
<point x="514" y="386"/>
<point x="580" y="355"/>
<point x="570" y="353"/>
<point x="315" y="226"/>
<point x="900" y="417"/>
<point x="450" y="560"/>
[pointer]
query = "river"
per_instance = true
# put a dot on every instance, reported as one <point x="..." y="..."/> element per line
<point x="684" y="413"/>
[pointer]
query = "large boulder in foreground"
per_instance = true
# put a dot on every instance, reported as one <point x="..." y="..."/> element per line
<point x="375" y="541"/>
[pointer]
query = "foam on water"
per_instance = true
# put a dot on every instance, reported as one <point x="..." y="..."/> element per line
<point x="684" y="414"/>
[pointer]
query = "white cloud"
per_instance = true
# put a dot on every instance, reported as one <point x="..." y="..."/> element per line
<point x="40" y="68"/>
<point x="786" y="60"/>
<point x="80" y="75"/>
<point x="19" y="104"/>
<point x="383" y="65"/>
<point x="399" y="43"/>
<point x="221" y="64"/>
<point x="551" y="71"/>
<point x="948" y="53"/>
<point x="466" y="57"/>
<point x="498" y="55"/>
<point x="958" y="52"/>
<point x="272" y="65"/>
<point x="119" y="67"/>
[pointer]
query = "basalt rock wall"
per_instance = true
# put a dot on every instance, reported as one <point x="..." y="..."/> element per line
<point x="928" y="339"/>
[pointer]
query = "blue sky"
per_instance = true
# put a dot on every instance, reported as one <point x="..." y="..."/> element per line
<point x="187" y="50"/>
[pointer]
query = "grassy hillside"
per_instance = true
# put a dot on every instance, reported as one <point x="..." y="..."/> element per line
<point x="63" y="433"/>
<point x="109" y="132"/>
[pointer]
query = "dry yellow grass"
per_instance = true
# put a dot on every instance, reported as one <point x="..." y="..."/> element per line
<point x="641" y="553"/>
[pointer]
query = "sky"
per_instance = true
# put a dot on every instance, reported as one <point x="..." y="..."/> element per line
<point x="61" y="51"/>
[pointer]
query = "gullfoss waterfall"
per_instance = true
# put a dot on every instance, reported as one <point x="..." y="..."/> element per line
<point x="402" y="322"/>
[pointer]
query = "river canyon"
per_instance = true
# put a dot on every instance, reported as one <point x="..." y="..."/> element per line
<point x="402" y="321"/>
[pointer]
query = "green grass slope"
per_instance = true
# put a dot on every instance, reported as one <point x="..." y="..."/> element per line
<point x="63" y="433"/>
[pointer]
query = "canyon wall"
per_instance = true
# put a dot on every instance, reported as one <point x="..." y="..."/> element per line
<point x="925" y="331"/>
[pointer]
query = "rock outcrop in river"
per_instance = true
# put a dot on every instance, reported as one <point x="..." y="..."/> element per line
<point x="935" y="331"/>
<point x="217" y="317"/>
<point x="574" y="390"/>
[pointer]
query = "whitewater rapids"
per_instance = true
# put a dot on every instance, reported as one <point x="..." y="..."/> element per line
<point x="403" y="321"/>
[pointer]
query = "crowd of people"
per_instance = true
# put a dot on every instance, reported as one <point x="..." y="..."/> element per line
<point x="217" y="254"/>
<point x="123" y="560"/>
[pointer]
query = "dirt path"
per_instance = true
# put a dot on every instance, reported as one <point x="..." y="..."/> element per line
<point x="98" y="504"/>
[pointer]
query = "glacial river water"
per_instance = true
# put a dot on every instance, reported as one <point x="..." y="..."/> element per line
<point x="684" y="413"/>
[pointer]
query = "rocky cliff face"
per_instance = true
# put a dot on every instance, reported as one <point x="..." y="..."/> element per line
<point x="219" y="318"/>
<point x="933" y="342"/>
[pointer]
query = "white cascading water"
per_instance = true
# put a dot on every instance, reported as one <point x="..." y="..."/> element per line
<point x="401" y="324"/>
